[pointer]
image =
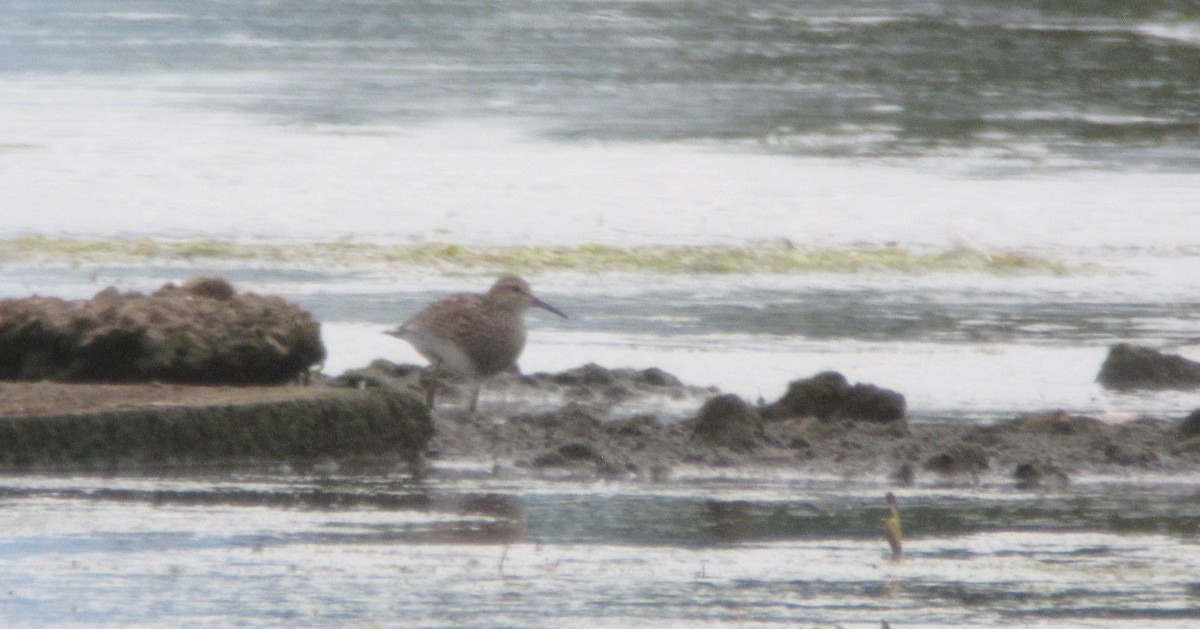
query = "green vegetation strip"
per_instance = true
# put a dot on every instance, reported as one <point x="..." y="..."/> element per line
<point x="754" y="258"/>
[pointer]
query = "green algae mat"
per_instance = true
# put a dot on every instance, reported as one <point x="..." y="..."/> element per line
<point x="102" y="427"/>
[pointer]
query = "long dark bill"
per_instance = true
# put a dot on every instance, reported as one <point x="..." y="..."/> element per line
<point x="545" y="306"/>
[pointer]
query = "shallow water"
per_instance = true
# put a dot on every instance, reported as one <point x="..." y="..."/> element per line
<point x="969" y="346"/>
<point x="472" y="550"/>
<point x="1059" y="139"/>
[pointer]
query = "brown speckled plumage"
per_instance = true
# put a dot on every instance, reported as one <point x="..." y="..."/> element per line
<point x="474" y="336"/>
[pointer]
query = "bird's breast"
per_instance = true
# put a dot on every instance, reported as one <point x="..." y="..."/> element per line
<point x="496" y="350"/>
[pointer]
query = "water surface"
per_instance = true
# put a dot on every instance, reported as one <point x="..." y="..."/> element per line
<point x="1054" y="145"/>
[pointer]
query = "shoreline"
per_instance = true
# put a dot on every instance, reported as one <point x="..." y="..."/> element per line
<point x="577" y="435"/>
<point x="583" y="423"/>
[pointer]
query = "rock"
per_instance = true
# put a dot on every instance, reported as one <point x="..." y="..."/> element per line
<point x="728" y="420"/>
<point x="1117" y="454"/>
<point x="578" y="455"/>
<point x="599" y="386"/>
<point x="1036" y="476"/>
<point x="636" y="426"/>
<point x="828" y="396"/>
<point x="570" y="421"/>
<point x="579" y="452"/>
<point x="548" y="459"/>
<point x="1190" y="427"/>
<point x="211" y="287"/>
<point x="590" y="374"/>
<point x="1187" y="447"/>
<point x="1058" y="423"/>
<point x="598" y="377"/>
<point x="656" y="377"/>
<point x="792" y="434"/>
<point x="960" y="459"/>
<point x="904" y="475"/>
<point x="201" y="332"/>
<point x="384" y="373"/>
<point x="1138" y="367"/>
<point x="660" y="474"/>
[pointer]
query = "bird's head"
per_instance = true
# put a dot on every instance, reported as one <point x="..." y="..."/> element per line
<point x="511" y="291"/>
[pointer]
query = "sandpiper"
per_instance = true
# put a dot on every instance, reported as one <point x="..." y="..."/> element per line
<point x="473" y="336"/>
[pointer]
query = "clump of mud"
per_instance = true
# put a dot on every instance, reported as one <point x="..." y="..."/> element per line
<point x="1129" y="367"/>
<point x="822" y="425"/>
<point x="201" y="332"/>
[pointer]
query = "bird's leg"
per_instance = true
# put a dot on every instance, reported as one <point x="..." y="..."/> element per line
<point x="431" y="386"/>
<point x="474" y="396"/>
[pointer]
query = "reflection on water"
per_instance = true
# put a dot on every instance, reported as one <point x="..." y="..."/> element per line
<point x="477" y="551"/>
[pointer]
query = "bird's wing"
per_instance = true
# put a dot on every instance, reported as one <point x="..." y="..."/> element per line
<point x="449" y="318"/>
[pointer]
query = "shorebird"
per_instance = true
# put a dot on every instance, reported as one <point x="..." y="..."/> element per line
<point x="473" y="336"/>
<point x="891" y="527"/>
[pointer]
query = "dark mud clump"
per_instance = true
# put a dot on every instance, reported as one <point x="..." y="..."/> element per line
<point x="828" y="396"/>
<point x="729" y="421"/>
<point x="582" y="423"/>
<point x="1031" y="476"/>
<point x="1129" y="367"/>
<point x="960" y="459"/>
<point x="201" y="332"/>
<point x="1188" y="434"/>
<point x="599" y="387"/>
<point x="580" y="437"/>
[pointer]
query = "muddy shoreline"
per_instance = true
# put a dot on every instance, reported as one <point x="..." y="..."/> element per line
<point x="187" y="355"/>
<point x="586" y="423"/>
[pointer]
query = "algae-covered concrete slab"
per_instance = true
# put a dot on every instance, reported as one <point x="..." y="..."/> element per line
<point x="46" y="425"/>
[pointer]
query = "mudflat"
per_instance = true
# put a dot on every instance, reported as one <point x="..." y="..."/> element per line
<point x="589" y="422"/>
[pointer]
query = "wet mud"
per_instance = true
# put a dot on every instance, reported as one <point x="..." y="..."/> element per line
<point x="588" y="422"/>
<point x="585" y="423"/>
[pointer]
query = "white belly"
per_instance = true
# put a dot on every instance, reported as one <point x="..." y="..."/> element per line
<point x="444" y="353"/>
